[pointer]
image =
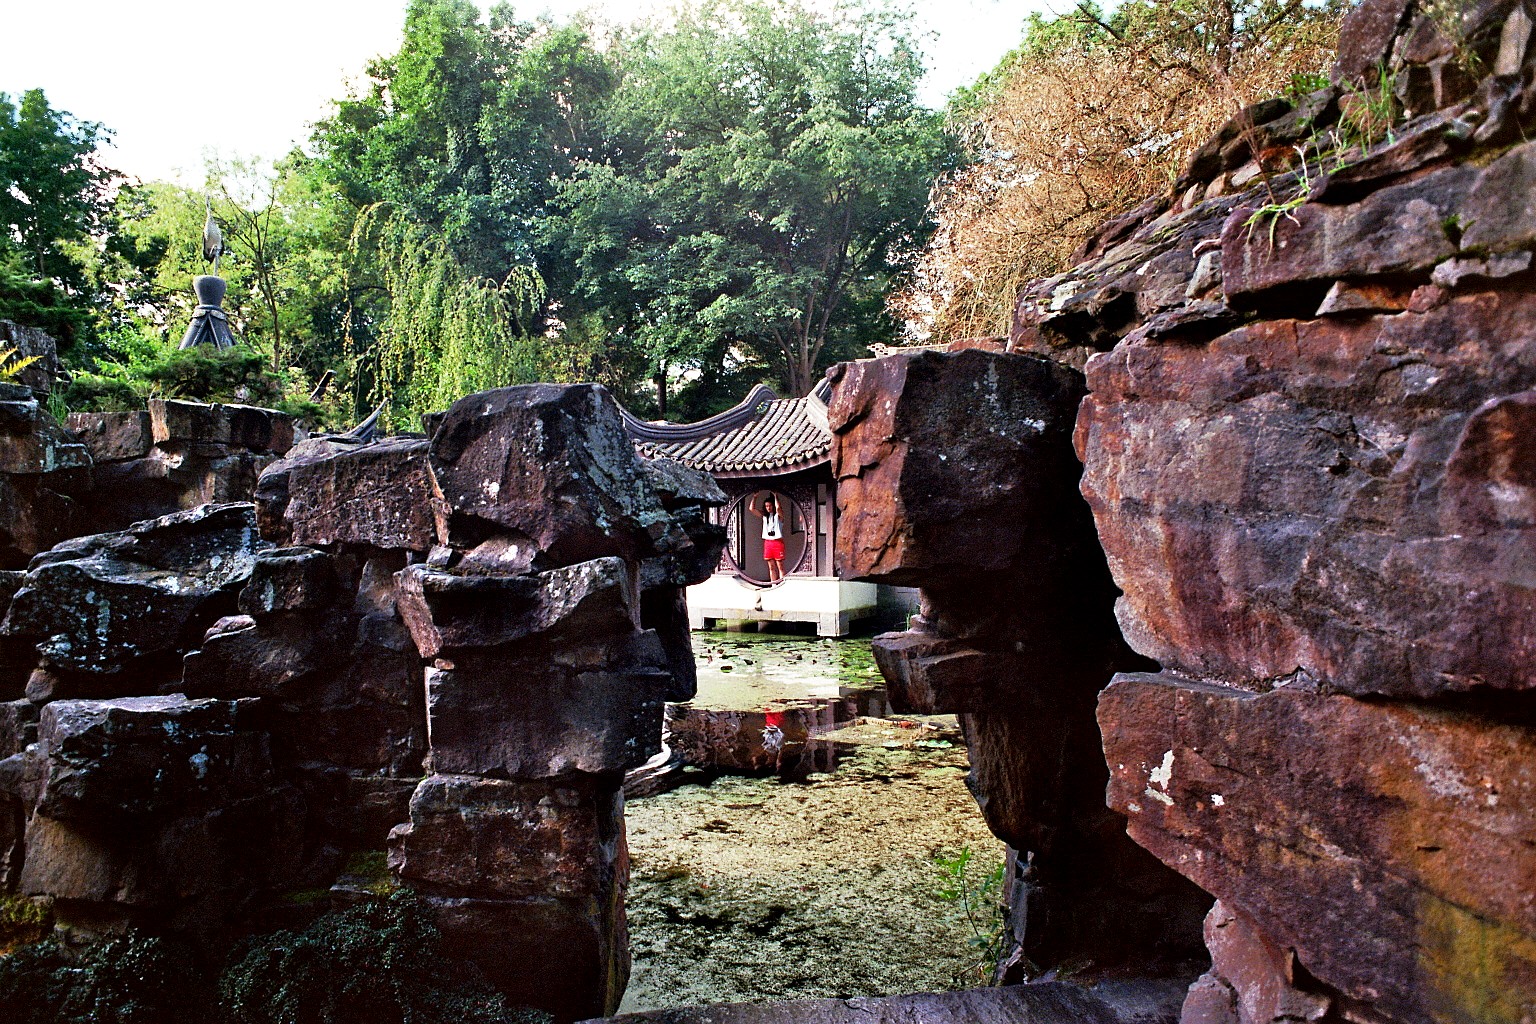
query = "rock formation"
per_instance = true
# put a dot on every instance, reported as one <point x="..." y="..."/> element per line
<point x="1309" y="448"/>
<point x="450" y="647"/>
<point x="956" y="473"/>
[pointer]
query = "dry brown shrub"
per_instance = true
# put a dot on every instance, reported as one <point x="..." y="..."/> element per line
<point x="1072" y="136"/>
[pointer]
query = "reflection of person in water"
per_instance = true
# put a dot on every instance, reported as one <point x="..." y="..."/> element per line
<point x="773" y="535"/>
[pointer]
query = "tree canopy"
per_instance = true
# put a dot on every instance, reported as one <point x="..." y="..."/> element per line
<point x="53" y="199"/>
<point x="767" y="167"/>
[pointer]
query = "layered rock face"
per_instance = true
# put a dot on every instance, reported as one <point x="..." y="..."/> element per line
<point x="955" y="473"/>
<point x="176" y="455"/>
<point x="215" y="710"/>
<point x="1310" y="451"/>
<point x="107" y="471"/>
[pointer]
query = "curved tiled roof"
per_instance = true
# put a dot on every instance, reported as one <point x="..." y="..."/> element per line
<point x="764" y="435"/>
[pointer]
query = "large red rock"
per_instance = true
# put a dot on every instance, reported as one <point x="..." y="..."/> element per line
<point x="1397" y="230"/>
<point x="1251" y="980"/>
<point x="1390" y="845"/>
<point x="940" y="457"/>
<point x="1347" y="500"/>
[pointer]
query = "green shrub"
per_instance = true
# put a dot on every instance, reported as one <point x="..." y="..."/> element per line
<point x="378" y="963"/>
<point x="93" y="392"/>
<point x="131" y="980"/>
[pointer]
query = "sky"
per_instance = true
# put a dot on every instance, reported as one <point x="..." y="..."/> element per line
<point x="177" y="80"/>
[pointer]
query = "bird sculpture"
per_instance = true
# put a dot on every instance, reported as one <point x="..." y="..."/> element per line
<point x="213" y="238"/>
<point x="210" y="324"/>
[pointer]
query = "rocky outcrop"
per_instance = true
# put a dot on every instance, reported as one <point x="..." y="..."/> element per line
<point x="117" y="611"/>
<point x="1308" y="449"/>
<point x="955" y="472"/>
<point x="210" y="723"/>
<point x="542" y="686"/>
<point x="43" y="470"/>
<point x="174" y="456"/>
<point x="1387" y="846"/>
<point x="31" y="343"/>
<point x="1113" y="1002"/>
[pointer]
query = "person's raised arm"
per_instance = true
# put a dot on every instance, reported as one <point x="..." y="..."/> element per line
<point x="752" y="506"/>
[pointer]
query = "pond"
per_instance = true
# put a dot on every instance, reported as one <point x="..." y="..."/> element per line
<point x="799" y="853"/>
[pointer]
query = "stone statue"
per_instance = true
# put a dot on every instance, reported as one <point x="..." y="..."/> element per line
<point x="210" y="324"/>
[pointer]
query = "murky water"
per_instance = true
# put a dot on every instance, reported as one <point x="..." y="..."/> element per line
<point x="797" y="857"/>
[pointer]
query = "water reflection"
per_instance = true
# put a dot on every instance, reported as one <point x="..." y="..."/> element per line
<point x="788" y="706"/>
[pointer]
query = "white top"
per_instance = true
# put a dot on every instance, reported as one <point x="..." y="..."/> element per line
<point x="771" y="528"/>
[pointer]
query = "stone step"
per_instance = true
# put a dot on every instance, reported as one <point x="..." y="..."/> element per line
<point x="1140" y="1001"/>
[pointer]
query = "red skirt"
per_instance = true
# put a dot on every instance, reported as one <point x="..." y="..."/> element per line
<point x="773" y="550"/>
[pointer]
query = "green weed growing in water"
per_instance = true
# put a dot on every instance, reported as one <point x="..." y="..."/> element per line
<point x="982" y="900"/>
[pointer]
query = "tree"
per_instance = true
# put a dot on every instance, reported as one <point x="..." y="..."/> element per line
<point x="446" y="163"/>
<point x="53" y="192"/>
<point x="1092" y="114"/>
<point x="765" y="166"/>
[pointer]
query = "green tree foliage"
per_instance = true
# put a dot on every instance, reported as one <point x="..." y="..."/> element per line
<point x="466" y="128"/>
<point x="447" y="161"/>
<point x="447" y="333"/>
<point x="766" y="166"/>
<point x="676" y="212"/>
<point x="53" y="192"/>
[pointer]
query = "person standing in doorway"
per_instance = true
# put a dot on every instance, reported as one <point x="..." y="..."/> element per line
<point x="773" y="535"/>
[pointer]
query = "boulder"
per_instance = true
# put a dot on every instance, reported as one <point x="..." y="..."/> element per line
<point x="933" y="675"/>
<point x="197" y="875"/>
<point x="497" y="839"/>
<point x="32" y="342"/>
<point x="1389" y="845"/>
<point x="1251" y="979"/>
<point x="170" y="478"/>
<point x="110" y="602"/>
<point x="1129" y="1001"/>
<point x="1366" y="38"/>
<point x="1396" y="230"/>
<point x="32" y="442"/>
<point x="588" y="708"/>
<point x="237" y="426"/>
<point x="551" y="467"/>
<point x="955" y="473"/>
<point x="569" y="958"/>
<point x="940" y="457"/>
<point x="449" y="611"/>
<point x="289" y="579"/>
<point x="329" y="492"/>
<point x="113" y="436"/>
<point x="1347" y="499"/>
<point x="118" y="761"/>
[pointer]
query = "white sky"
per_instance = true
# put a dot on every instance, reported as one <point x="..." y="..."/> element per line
<point x="175" y="79"/>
